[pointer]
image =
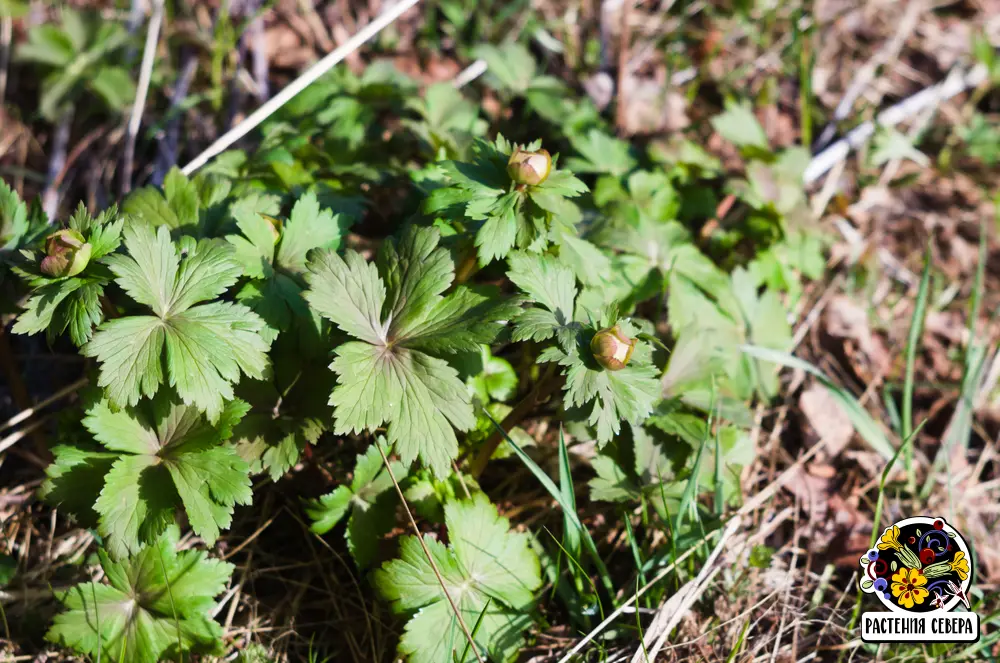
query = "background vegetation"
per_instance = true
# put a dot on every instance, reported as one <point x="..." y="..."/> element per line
<point x="359" y="389"/>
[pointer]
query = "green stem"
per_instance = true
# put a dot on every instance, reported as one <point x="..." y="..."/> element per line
<point x="548" y="383"/>
<point x="468" y="267"/>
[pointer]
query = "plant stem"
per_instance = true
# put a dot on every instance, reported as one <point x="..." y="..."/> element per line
<point x="546" y="384"/>
<point x="467" y="268"/>
<point x="139" y="105"/>
<point x="430" y="557"/>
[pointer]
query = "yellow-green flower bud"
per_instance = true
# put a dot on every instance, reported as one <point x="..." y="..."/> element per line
<point x="611" y="348"/>
<point x="531" y="168"/>
<point x="66" y="254"/>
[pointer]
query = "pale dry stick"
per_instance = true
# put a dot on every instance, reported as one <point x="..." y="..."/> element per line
<point x="791" y="568"/>
<point x="751" y="505"/>
<point x="634" y="600"/>
<point x="16" y="436"/>
<point x="430" y="558"/>
<point x="302" y="82"/>
<point x="469" y="74"/>
<point x="919" y="125"/>
<point x="145" y="73"/>
<point x="23" y="415"/>
<point x="6" y="35"/>
<point x="830" y="186"/>
<point x="866" y="74"/>
<point x="770" y="598"/>
<point x="235" y="600"/>
<point x="825" y="160"/>
<point x="695" y="588"/>
<point x="60" y="141"/>
<point x="247" y="541"/>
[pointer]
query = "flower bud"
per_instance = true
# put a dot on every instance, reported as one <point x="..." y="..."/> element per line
<point x="66" y="254"/>
<point x="611" y="348"/>
<point x="530" y="168"/>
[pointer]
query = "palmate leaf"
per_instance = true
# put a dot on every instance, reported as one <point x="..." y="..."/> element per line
<point x="394" y="373"/>
<point x="205" y="346"/>
<point x="14" y="223"/>
<point x="276" y="261"/>
<point x="155" y="606"/>
<point x="486" y="567"/>
<point x="369" y="503"/>
<point x="551" y="285"/>
<point x="651" y="475"/>
<point x="289" y="408"/>
<point x="162" y="456"/>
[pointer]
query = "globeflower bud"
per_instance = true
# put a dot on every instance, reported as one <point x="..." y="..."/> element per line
<point x="530" y="168"/>
<point x="66" y="254"/>
<point x="611" y="348"/>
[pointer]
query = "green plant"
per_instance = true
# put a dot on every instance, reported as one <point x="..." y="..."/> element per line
<point x="154" y="605"/>
<point x="77" y="55"/>
<point x="369" y="503"/>
<point x="490" y="575"/>
<point x="465" y="289"/>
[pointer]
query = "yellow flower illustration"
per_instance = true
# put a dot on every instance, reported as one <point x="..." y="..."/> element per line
<point x="890" y="539"/>
<point x="908" y="587"/>
<point x="960" y="565"/>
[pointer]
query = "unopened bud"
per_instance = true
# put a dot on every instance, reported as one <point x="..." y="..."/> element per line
<point x="611" y="348"/>
<point x="66" y="254"/>
<point x="531" y="168"/>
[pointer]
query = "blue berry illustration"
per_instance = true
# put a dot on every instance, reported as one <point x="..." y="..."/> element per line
<point x="873" y="554"/>
<point x="880" y="584"/>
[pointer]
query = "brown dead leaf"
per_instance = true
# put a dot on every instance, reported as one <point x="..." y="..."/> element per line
<point x="845" y="319"/>
<point x="949" y="325"/>
<point x="286" y="49"/>
<point x="827" y="418"/>
<point x="650" y="108"/>
<point x="812" y="491"/>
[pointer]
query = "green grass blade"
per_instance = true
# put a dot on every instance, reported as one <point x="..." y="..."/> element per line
<point x="557" y="495"/>
<point x="576" y="565"/>
<point x="879" y="503"/>
<point x="960" y="429"/>
<point x="863" y="423"/>
<point x="739" y="642"/>
<point x="475" y="630"/>
<point x="636" y="553"/>
<point x="571" y="536"/>
<point x="912" y="346"/>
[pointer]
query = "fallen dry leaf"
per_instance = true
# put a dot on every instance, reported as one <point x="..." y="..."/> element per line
<point x="827" y="418"/>
<point x="845" y="319"/>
